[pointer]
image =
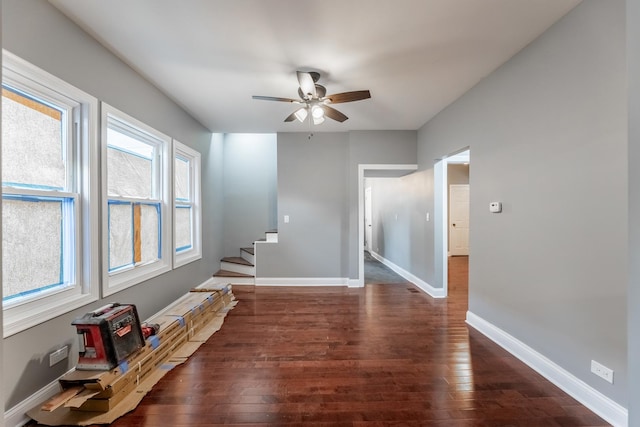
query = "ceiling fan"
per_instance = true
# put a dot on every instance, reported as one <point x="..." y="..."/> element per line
<point x="314" y="100"/>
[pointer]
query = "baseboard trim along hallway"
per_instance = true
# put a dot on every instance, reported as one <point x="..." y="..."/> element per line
<point x="430" y="290"/>
<point x="597" y="402"/>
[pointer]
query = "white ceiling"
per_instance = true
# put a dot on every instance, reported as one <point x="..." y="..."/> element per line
<point x="415" y="56"/>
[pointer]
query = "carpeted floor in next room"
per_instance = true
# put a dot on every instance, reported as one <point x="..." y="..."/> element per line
<point x="377" y="272"/>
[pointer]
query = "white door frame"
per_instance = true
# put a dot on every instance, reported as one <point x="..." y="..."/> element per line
<point x="359" y="282"/>
<point x="440" y="225"/>
<point x="440" y="215"/>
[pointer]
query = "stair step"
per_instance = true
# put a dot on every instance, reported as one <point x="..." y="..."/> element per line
<point x="227" y="273"/>
<point x="248" y="254"/>
<point x="272" y="236"/>
<point x="236" y="260"/>
<point x="235" y="278"/>
<point x="236" y="263"/>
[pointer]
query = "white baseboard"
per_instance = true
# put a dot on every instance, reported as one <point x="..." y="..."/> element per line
<point x="424" y="286"/>
<point x="302" y="281"/>
<point x="597" y="402"/>
<point x="355" y="283"/>
<point x="16" y="416"/>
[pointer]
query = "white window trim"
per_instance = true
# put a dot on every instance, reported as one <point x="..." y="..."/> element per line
<point x="20" y="316"/>
<point x="116" y="281"/>
<point x="195" y="253"/>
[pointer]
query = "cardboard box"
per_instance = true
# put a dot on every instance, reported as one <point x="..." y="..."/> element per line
<point x="106" y="395"/>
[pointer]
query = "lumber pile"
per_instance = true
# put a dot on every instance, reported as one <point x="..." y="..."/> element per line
<point x="100" y="397"/>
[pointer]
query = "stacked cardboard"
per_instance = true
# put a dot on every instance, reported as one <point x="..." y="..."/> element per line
<point x="100" y="397"/>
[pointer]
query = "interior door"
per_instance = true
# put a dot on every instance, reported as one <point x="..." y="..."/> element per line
<point x="368" y="224"/>
<point x="459" y="219"/>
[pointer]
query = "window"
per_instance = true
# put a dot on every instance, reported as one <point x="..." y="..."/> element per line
<point x="186" y="216"/>
<point x="49" y="200"/>
<point x="137" y="215"/>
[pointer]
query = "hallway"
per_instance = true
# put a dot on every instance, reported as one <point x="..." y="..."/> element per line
<point x="377" y="272"/>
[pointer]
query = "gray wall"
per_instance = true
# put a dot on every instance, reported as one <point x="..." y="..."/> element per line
<point x="548" y="138"/>
<point x="318" y="189"/>
<point x="250" y="189"/>
<point x="37" y="32"/>
<point x="312" y="191"/>
<point x="633" y="60"/>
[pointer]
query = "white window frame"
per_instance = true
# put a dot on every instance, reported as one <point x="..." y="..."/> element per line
<point x="23" y="313"/>
<point x="195" y="252"/>
<point x="118" y="280"/>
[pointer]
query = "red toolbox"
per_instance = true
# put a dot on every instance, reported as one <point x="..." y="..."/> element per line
<point x="107" y="336"/>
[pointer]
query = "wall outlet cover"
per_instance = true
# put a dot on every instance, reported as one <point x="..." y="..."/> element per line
<point x="602" y="371"/>
<point x="58" y="355"/>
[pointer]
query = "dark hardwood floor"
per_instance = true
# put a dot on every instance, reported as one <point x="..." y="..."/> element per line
<point x="378" y="356"/>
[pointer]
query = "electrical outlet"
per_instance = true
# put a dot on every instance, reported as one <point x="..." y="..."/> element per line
<point x="602" y="371"/>
<point x="58" y="355"/>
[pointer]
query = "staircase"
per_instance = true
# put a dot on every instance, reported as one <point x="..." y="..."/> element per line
<point x="242" y="270"/>
<point x="238" y="270"/>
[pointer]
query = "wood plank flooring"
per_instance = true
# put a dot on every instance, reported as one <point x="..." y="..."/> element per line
<point x="384" y="355"/>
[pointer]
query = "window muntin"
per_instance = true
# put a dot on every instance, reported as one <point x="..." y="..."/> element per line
<point x="49" y="198"/>
<point x="187" y="217"/>
<point x="135" y="175"/>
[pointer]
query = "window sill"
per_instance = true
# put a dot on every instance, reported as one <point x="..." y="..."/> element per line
<point x="186" y="258"/>
<point x="116" y="282"/>
<point x="22" y="317"/>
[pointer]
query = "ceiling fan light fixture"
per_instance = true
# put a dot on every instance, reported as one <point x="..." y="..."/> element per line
<point x="317" y="112"/>
<point x="301" y="114"/>
<point x="314" y="102"/>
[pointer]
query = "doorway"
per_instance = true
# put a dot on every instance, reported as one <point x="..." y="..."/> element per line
<point x="451" y="214"/>
<point x="372" y="171"/>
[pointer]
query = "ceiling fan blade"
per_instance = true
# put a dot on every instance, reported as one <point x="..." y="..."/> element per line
<point x="307" y="84"/>
<point x="274" y="98"/>
<point x="291" y="117"/>
<point x="334" y="114"/>
<point x="356" y="95"/>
